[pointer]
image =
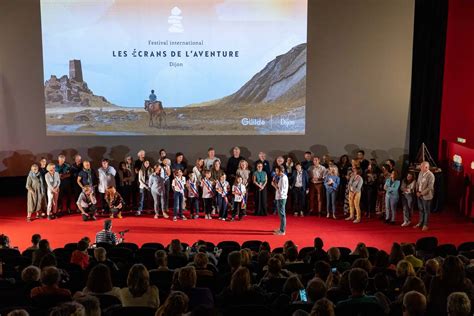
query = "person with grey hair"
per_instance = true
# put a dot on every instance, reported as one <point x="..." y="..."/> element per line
<point x="90" y="303"/>
<point x="18" y="312"/>
<point x="459" y="304"/>
<point x="424" y="193"/>
<point x="414" y="304"/>
<point x="36" y="192"/>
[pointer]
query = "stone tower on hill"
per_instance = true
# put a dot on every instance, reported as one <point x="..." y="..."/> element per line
<point x="75" y="70"/>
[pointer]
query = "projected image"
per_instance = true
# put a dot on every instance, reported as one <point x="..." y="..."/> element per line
<point x="174" y="67"/>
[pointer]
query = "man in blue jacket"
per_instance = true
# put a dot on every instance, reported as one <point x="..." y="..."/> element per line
<point x="299" y="188"/>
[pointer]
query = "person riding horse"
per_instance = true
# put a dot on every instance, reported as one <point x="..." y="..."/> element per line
<point x="155" y="109"/>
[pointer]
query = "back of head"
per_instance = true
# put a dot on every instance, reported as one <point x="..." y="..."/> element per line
<point x="358" y="280"/>
<point x="334" y="254"/>
<point x="316" y="289"/>
<point x="50" y="276"/>
<point x="234" y="259"/>
<point x="322" y="270"/>
<point x="413" y="283"/>
<point x="100" y="254"/>
<point x="405" y="269"/>
<point x="292" y="284"/>
<point x="176" y="304"/>
<point x="187" y="277"/>
<point x="363" y="263"/>
<point x="240" y="282"/>
<point x="82" y="245"/>
<point x="274" y="266"/>
<point x="49" y="260"/>
<point x="69" y="309"/>
<point x="201" y="260"/>
<point x="292" y="254"/>
<point x="90" y="303"/>
<point x="459" y="304"/>
<point x="30" y="274"/>
<point x="323" y="307"/>
<point x="175" y="246"/>
<point x="44" y="245"/>
<point x="99" y="279"/>
<point x="18" y="312"/>
<point x="414" y="304"/>
<point x="35" y="239"/>
<point x="161" y="258"/>
<point x="107" y="224"/>
<point x="138" y="280"/>
<point x="318" y="243"/>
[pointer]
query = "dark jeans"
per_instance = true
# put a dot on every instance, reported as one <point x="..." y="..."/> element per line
<point x="207" y="205"/>
<point x="261" y="201"/>
<point x="125" y="191"/>
<point x="90" y="211"/>
<point x="237" y="210"/>
<point x="222" y="206"/>
<point x="298" y="199"/>
<point x="425" y="208"/>
<point x="178" y="204"/>
<point x="103" y="202"/>
<point x="193" y="205"/>
<point x="371" y="198"/>
<point x="65" y="195"/>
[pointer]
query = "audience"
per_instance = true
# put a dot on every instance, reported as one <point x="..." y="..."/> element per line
<point x="374" y="284"/>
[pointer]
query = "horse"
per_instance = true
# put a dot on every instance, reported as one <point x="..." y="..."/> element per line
<point x="155" y="109"/>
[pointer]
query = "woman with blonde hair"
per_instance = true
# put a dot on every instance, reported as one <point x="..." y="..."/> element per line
<point x="139" y="292"/>
<point x="52" y="183"/>
<point x="244" y="172"/>
<point x="355" y="163"/>
<point x="36" y="189"/>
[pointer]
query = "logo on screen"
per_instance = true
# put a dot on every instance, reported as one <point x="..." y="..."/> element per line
<point x="175" y="21"/>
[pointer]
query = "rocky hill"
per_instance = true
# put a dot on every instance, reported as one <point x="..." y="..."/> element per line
<point x="66" y="92"/>
<point x="282" y="79"/>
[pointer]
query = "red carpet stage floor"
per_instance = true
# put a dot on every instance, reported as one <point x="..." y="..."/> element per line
<point x="447" y="227"/>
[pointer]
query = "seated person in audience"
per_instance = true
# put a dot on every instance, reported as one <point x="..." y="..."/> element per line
<point x="382" y="264"/>
<point x="201" y="263"/>
<point x="273" y="271"/>
<point x="35" y="239"/>
<point x="292" y="256"/>
<point x="315" y="290"/>
<point x="323" y="307"/>
<point x="334" y="256"/>
<point x="176" y="250"/>
<point x="91" y="304"/>
<point x="18" y="312"/>
<point x="176" y="304"/>
<point x="451" y="278"/>
<point x="106" y="235"/>
<point x="358" y="281"/>
<point x="292" y="288"/>
<point x="43" y="250"/>
<point x="414" y="304"/>
<point x="161" y="260"/>
<point x="4" y="242"/>
<point x="138" y="291"/>
<point x="68" y="308"/>
<point x="99" y="282"/>
<point x="187" y="279"/>
<point x="404" y="270"/>
<point x="409" y="251"/>
<point x="459" y="304"/>
<point x="80" y="256"/>
<point x="50" y="278"/>
<point x="411" y="284"/>
<point x="241" y="291"/>
<point x="318" y="253"/>
<point x="234" y="260"/>
<point x="86" y="203"/>
<point x="322" y="270"/>
<point x="100" y="257"/>
<point x="30" y="278"/>
<point x="431" y="271"/>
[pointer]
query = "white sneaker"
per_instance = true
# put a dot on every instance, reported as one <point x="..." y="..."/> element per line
<point x="356" y="221"/>
<point x="327" y="216"/>
<point x="405" y="224"/>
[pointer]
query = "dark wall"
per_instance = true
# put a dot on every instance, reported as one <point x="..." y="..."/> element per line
<point x="358" y="90"/>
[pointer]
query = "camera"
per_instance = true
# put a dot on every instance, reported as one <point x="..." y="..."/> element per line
<point x="123" y="232"/>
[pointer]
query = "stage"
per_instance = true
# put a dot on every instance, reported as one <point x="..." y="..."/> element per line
<point x="447" y="227"/>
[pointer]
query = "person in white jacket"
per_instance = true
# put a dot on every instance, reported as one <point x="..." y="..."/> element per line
<point x="52" y="183"/>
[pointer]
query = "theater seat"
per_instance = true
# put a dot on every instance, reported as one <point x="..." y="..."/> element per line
<point x="253" y="245"/>
<point x="466" y="246"/>
<point x="445" y="250"/>
<point x="153" y="245"/>
<point x="129" y="245"/>
<point x="240" y="310"/>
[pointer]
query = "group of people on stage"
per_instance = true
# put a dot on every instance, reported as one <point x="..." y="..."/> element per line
<point x="224" y="193"/>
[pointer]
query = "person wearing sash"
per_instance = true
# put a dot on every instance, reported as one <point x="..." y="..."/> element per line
<point x="244" y="172"/>
<point x="178" y="186"/>
<point x="260" y="179"/>
<point x="355" y="188"/>
<point x="240" y="195"/>
<point x="156" y="183"/>
<point x="193" y="195"/>
<point x="166" y="174"/>
<point x="222" y="188"/>
<point x="207" y="193"/>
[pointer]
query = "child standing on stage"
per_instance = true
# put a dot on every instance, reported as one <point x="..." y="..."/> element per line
<point x="239" y="191"/>
<point x="222" y="188"/>
<point x="207" y="193"/>
<point x="178" y="185"/>
<point x="193" y="195"/>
